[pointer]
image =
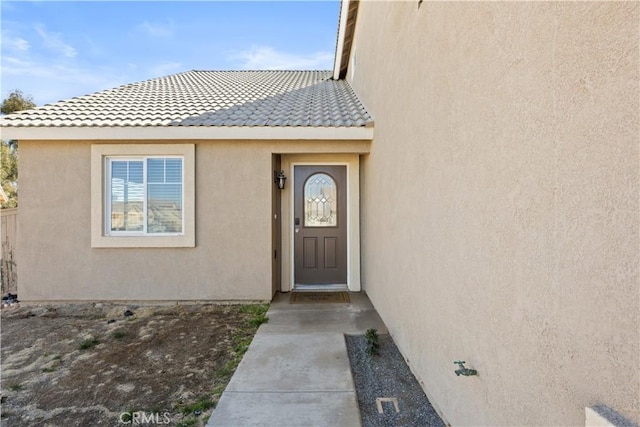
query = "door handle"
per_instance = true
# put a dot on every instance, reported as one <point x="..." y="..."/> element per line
<point x="297" y="221"/>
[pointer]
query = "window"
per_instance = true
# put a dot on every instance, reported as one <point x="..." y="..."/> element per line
<point x="321" y="201"/>
<point x="142" y="195"/>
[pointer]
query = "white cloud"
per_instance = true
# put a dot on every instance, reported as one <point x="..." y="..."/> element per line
<point x="12" y="61"/>
<point x="50" y="82"/>
<point x="155" y="29"/>
<point x="94" y="49"/>
<point x="15" y="43"/>
<point x="53" y="41"/>
<point x="165" y="68"/>
<point x="267" y="58"/>
<point x="56" y="72"/>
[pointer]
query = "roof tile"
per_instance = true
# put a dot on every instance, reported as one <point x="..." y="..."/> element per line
<point x="209" y="98"/>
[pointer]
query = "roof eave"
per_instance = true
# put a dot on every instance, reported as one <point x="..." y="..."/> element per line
<point x="342" y="29"/>
<point x="346" y="31"/>
<point x="159" y="133"/>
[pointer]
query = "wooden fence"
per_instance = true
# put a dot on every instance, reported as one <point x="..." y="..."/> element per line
<point x="8" y="233"/>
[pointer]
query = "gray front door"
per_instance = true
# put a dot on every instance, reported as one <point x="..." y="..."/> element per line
<point x="320" y="225"/>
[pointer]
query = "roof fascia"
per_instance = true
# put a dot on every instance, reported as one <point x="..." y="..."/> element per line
<point x="191" y="133"/>
<point x="342" y="29"/>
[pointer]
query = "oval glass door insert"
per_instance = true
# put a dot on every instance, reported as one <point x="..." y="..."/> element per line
<point x="321" y="201"/>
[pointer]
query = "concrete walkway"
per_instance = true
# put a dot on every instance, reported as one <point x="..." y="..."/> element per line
<point x="296" y="371"/>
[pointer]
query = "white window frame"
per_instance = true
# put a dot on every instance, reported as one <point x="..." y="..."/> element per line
<point x="101" y="157"/>
<point x="107" y="193"/>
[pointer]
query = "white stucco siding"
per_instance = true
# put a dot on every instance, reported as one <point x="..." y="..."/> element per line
<point x="233" y="251"/>
<point x="500" y="202"/>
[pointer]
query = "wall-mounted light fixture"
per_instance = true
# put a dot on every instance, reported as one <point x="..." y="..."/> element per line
<point x="279" y="178"/>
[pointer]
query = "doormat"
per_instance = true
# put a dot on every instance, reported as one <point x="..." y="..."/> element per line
<point x="319" y="297"/>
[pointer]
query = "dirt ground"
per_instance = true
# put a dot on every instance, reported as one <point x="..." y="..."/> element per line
<point x="81" y="365"/>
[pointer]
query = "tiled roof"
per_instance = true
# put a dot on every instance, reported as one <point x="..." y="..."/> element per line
<point x="209" y="98"/>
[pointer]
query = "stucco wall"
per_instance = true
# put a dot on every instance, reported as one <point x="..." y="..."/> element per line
<point x="500" y="214"/>
<point x="232" y="259"/>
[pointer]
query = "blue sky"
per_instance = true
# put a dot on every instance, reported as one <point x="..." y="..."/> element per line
<point x="56" y="50"/>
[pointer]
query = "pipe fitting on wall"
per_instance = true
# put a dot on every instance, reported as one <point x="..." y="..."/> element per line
<point x="464" y="371"/>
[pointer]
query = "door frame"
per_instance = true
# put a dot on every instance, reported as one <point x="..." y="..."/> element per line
<point x="352" y="163"/>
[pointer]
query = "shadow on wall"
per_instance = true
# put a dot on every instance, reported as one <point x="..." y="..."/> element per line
<point x="8" y="265"/>
<point x="604" y="416"/>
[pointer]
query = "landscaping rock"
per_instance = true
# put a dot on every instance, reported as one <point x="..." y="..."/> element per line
<point x="386" y="375"/>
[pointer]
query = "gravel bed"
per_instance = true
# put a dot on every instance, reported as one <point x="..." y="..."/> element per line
<point x="387" y="375"/>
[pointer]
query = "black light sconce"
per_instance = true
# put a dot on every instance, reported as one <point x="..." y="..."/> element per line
<point x="279" y="178"/>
